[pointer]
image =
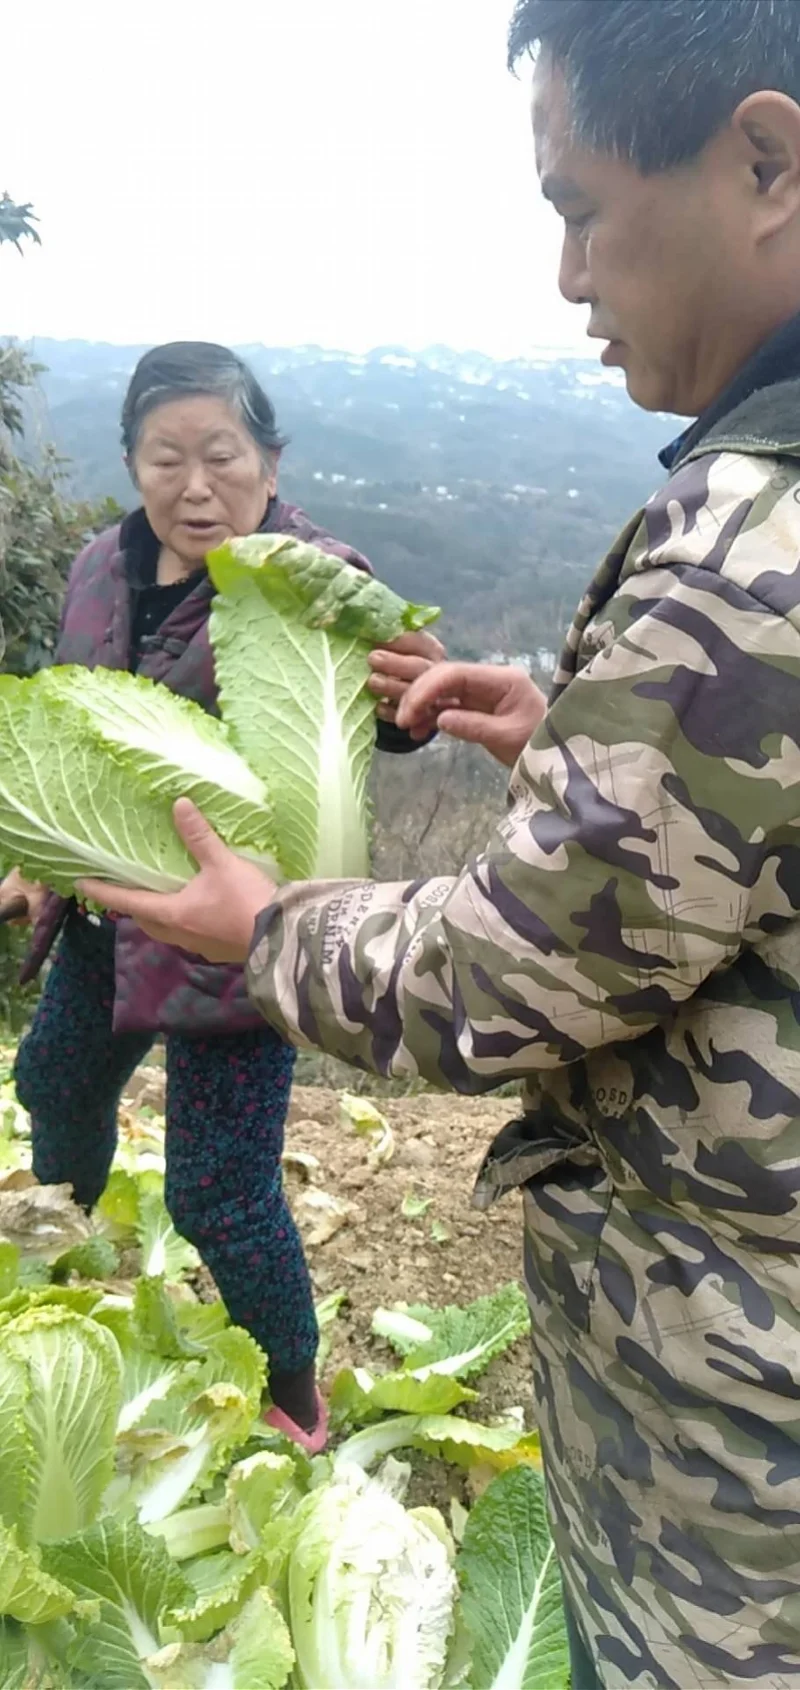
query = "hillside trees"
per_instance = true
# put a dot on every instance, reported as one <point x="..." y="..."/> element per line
<point x="17" y="222"/>
<point x="41" y="527"/>
<point x="41" y="530"/>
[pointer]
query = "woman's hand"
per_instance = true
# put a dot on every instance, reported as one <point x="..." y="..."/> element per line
<point x="215" y="915"/>
<point x="396" y="666"/>
<point x="15" y="887"/>
<point x="487" y="704"/>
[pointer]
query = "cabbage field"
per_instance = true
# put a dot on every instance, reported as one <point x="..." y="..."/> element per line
<point x="153" y="1531"/>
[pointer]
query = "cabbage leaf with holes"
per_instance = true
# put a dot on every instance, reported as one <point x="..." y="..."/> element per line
<point x="291" y="630"/>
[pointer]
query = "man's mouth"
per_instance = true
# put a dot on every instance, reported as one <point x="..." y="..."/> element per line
<point x="611" y="342"/>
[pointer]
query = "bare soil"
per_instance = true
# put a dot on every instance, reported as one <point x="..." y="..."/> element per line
<point x="358" y="1240"/>
<point x="378" y="1256"/>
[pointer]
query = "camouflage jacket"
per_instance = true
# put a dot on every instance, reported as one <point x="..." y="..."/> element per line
<point x="628" y="945"/>
<point x="157" y="988"/>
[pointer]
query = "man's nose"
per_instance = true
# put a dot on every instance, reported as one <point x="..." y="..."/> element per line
<point x="573" y="272"/>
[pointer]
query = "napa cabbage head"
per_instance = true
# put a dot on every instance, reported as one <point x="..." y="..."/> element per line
<point x="292" y="629"/>
<point x="371" y="1590"/>
<point x="91" y="764"/>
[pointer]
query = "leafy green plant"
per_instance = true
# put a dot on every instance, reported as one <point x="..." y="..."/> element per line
<point x="456" y="1341"/>
<point x="305" y="722"/>
<point x="371" y="1588"/>
<point x="91" y="763"/>
<point x="155" y="1534"/>
<point x="17" y="222"/>
<point x="41" y="530"/>
<point x="512" y="1605"/>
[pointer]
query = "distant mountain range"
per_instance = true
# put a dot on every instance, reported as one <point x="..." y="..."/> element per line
<point x="491" y="488"/>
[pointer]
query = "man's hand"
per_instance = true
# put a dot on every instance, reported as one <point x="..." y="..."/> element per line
<point x="486" y="704"/>
<point x="396" y="666"/>
<point x="214" y="916"/>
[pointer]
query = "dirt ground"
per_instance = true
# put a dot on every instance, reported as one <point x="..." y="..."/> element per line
<point x="451" y="1254"/>
<point x="379" y="1257"/>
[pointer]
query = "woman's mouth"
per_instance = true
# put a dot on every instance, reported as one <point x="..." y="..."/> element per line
<point x="200" y="525"/>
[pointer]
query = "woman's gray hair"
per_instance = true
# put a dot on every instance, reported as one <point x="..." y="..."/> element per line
<point x="186" y="368"/>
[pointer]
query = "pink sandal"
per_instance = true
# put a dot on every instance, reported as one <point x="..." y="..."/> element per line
<point x="312" y="1442"/>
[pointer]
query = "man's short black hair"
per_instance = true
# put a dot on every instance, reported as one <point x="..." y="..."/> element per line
<point x="653" y="80"/>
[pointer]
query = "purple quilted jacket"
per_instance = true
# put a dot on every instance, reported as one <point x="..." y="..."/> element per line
<point x="158" y="989"/>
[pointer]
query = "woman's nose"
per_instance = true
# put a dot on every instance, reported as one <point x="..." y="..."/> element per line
<point x="197" y="482"/>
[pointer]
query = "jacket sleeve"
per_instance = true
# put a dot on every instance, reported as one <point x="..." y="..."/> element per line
<point x="652" y="831"/>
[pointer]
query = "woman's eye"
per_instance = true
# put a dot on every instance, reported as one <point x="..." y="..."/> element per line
<point x="222" y="458"/>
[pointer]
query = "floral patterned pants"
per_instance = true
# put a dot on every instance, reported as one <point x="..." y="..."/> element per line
<point x="226" y="1106"/>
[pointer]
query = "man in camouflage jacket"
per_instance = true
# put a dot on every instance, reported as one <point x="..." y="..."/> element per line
<point x="628" y="943"/>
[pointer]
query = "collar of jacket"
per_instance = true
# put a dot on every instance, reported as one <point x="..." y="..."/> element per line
<point x="759" y="412"/>
<point x="140" y="546"/>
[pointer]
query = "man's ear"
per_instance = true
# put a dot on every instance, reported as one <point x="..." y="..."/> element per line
<point x="767" y="126"/>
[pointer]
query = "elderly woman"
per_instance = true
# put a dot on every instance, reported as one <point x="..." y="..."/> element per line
<point x="202" y="448"/>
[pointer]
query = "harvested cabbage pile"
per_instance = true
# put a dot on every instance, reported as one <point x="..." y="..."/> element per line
<point x="91" y="763"/>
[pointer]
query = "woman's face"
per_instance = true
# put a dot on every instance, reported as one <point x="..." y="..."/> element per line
<point x="201" y="476"/>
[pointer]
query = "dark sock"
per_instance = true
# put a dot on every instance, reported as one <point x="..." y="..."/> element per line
<point x="296" y="1395"/>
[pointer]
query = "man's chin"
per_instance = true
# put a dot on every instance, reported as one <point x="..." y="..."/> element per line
<point x="647" y="389"/>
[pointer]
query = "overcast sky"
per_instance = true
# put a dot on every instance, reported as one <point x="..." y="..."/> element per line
<point x="348" y="172"/>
